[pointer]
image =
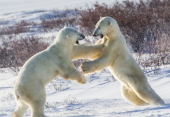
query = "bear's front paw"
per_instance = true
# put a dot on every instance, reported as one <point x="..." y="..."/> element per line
<point x="86" y="67"/>
<point x="82" y="80"/>
<point x="104" y="40"/>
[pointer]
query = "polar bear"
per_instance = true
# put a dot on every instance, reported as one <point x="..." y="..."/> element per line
<point x="134" y="85"/>
<point x="43" y="67"/>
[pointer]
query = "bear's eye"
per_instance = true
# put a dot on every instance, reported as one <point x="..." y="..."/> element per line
<point x="99" y="27"/>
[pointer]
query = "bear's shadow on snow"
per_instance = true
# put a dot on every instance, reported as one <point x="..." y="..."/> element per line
<point x="2" y="88"/>
<point x="71" y="106"/>
<point x="162" y="74"/>
<point x="165" y="106"/>
<point x="92" y="77"/>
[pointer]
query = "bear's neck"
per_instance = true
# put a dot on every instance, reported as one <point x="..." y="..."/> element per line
<point x="67" y="47"/>
<point x="61" y="49"/>
<point x="114" y="35"/>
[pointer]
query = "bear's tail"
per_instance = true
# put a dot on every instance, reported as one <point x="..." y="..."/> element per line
<point x="16" y="95"/>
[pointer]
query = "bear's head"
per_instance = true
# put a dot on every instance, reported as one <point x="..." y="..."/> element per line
<point x="69" y="36"/>
<point x="106" y="26"/>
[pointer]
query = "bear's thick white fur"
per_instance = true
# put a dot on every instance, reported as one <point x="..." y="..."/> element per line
<point x="43" y="67"/>
<point x="135" y="87"/>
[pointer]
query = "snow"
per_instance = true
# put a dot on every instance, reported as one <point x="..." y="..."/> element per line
<point x="99" y="97"/>
<point x="10" y="6"/>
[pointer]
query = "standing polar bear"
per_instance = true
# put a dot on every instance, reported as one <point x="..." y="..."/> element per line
<point x="134" y="85"/>
<point x="43" y="67"/>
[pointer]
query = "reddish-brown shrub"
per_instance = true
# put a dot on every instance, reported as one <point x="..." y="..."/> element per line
<point x="138" y="22"/>
<point x="19" y="27"/>
<point x="15" y="53"/>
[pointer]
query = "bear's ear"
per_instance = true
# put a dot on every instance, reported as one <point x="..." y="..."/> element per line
<point x="67" y="36"/>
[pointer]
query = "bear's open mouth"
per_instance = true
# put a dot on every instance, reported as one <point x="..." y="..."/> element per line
<point x="77" y="42"/>
<point x="101" y="35"/>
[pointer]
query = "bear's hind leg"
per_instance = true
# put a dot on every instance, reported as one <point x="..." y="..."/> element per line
<point x="37" y="108"/>
<point x="146" y="93"/>
<point x="20" y="109"/>
<point x="131" y="97"/>
<point x="37" y="105"/>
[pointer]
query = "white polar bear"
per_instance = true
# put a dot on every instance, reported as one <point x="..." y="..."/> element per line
<point x="43" y="67"/>
<point x="115" y="56"/>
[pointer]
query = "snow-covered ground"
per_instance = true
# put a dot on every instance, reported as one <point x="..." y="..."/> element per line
<point x="99" y="97"/>
<point x="11" y="6"/>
